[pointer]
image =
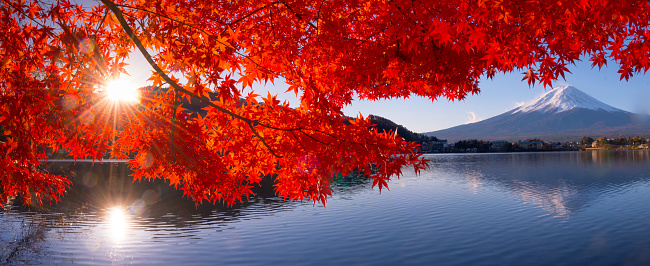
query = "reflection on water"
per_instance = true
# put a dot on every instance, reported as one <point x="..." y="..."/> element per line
<point x="555" y="201"/>
<point x="562" y="183"/>
<point x="117" y="221"/>
<point x="474" y="180"/>
<point x="524" y="208"/>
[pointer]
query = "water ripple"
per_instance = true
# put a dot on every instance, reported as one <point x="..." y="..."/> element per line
<point x="497" y="209"/>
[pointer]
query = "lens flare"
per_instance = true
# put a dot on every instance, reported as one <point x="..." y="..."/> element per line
<point x="122" y="91"/>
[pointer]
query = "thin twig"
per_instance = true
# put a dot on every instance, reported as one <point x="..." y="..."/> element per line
<point x="171" y="144"/>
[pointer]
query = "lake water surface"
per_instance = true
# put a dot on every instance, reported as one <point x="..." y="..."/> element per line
<point x="570" y="208"/>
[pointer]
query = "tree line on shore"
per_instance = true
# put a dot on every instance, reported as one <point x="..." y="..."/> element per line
<point x="614" y="143"/>
<point x="535" y="144"/>
<point x="434" y="144"/>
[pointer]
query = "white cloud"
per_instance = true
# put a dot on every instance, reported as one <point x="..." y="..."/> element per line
<point x="472" y="118"/>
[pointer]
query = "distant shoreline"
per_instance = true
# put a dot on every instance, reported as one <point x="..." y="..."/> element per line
<point x="536" y="151"/>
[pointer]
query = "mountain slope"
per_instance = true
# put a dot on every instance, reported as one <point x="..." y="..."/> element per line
<point x="384" y="124"/>
<point x="562" y="114"/>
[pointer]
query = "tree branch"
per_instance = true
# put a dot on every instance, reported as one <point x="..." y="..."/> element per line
<point x="251" y="123"/>
<point x="201" y="30"/>
<point x="163" y="16"/>
<point x="299" y="16"/>
<point x="129" y="32"/>
<point x="252" y="13"/>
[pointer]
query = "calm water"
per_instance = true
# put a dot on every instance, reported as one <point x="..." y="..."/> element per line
<point x="485" y="209"/>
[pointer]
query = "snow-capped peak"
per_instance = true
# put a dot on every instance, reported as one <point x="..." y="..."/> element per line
<point x="562" y="99"/>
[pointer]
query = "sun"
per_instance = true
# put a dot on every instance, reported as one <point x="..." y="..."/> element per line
<point x="120" y="90"/>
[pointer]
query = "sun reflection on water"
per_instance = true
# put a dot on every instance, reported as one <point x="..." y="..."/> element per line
<point x="117" y="223"/>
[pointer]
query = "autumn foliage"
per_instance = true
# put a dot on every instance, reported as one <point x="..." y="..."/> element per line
<point x="56" y="59"/>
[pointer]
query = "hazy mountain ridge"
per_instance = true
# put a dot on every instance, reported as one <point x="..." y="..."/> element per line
<point x="384" y="124"/>
<point x="562" y="114"/>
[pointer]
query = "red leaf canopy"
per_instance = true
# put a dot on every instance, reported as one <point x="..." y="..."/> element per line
<point x="56" y="59"/>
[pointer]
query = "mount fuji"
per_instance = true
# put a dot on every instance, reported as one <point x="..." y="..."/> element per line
<point x="562" y="114"/>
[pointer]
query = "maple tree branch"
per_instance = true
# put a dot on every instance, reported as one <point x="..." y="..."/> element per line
<point x="98" y="54"/>
<point x="299" y="142"/>
<point x="368" y="38"/>
<point x="125" y="26"/>
<point x="169" y="81"/>
<point x="318" y="22"/>
<point x="205" y="32"/>
<point x="252" y="13"/>
<point x="65" y="29"/>
<point x="299" y="16"/>
<point x="263" y="141"/>
<point x="20" y="10"/>
<point x="428" y="9"/>
<point x="400" y="10"/>
<point x="250" y="165"/>
<point x="251" y="123"/>
<point x="163" y="16"/>
<point x="331" y="136"/>
<point x="311" y="137"/>
<point x="154" y="65"/>
<point x="171" y="144"/>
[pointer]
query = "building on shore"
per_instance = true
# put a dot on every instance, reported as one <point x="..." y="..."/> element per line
<point x="499" y="145"/>
<point x="530" y="145"/>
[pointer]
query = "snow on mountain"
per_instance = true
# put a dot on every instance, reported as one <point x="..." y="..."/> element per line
<point x="562" y="99"/>
<point x="564" y="113"/>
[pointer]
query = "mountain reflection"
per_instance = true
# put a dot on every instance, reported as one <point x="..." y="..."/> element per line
<point x="560" y="200"/>
<point x="560" y="183"/>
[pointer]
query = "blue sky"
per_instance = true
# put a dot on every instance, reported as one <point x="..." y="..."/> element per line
<point x="498" y="95"/>
<point x="501" y="94"/>
<point x="505" y="92"/>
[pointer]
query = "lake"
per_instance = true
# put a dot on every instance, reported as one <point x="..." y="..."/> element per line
<point x="568" y="208"/>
